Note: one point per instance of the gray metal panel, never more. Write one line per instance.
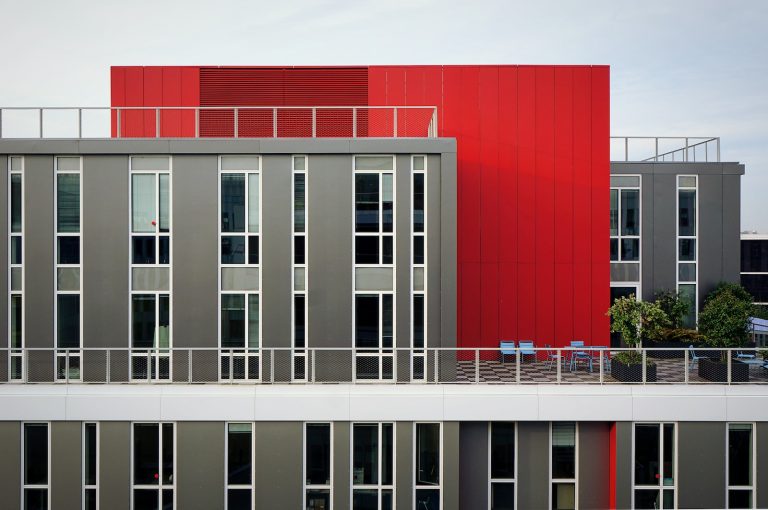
(701, 465)
(710, 233)
(200, 465)
(341, 463)
(279, 464)
(761, 481)
(731, 225)
(404, 198)
(4, 284)
(473, 465)
(533, 464)
(448, 257)
(114, 465)
(329, 220)
(647, 234)
(404, 460)
(664, 234)
(451, 461)
(10, 463)
(66, 464)
(624, 467)
(594, 464)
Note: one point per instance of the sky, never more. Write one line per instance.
(678, 68)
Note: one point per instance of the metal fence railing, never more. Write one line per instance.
(681, 149)
(569, 365)
(219, 122)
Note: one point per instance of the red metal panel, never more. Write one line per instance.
(170, 120)
(489, 302)
(153, 96)
(526, 301)
(117, 89)
(508, 297)
(190, 96)
(469, 275)
(488, 82)
(469, 241)
(132, 122)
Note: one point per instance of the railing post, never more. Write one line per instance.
(718, 149)
(685, 366)
(271, 365)
(312, 363)
(656, 159)
(517, 366)
(189, 366)
(728, 364)
(354, 122)
(686, 149)
(157, 122)
(477, 366)
(197, 122)
(600, 360)
(41, 122)
(119, 134)
(149, 365)
(394, 121)
(645, 373)
(437, 368)
(109, 366)
(274, 122)
(626, 148)
(314, 122)
(236, 123)
(79, 122)
(560, 359)
(1, 123)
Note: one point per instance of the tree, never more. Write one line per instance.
(724, 320)
(674, 305)
(636, 320)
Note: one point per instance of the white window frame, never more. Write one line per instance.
(491, 480)
(753, 486)
(87, 487)
(380, 233)
(67, 354)
(297, 352)
(20, 353)
(379, 487)
(154, 354)
(244, 353)
(678, 237)
(422, 352)
(638, 284)
(379, 353)
(575, 480)
(227, 485)
(306, 486)
(438, 487)
(160, 486)
(24, 485)
(660, 487)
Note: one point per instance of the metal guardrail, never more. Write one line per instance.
(569, 365)
(219, 122)
(665, 149)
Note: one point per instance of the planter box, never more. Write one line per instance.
(716, 371)
(632, 373)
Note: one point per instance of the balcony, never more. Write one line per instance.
(665, 149)
(219, 122)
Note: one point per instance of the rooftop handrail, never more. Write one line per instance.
(652, 149)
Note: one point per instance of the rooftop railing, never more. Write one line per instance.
(572, 365)
(680, 149)
(220, 122)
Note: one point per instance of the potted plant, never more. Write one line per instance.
(635, 320)
(724, 321)
(674, 334)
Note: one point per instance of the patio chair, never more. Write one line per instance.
(507, 348)
(553, 357)
(527, 348)
(694, 357)
(596, 350)
(579, 356)
(744, 355)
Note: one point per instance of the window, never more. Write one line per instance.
(153, 463)
(240, 210)
(655, 465)
(36, 466)
(687, 254)
(318, 476)
(563, 466)
(625, 230)
(68, 269)
(374, 335)
(502, 464)
(374, 210)
(240, 334)
(741, 463)
(418, 268)
(428, 469)
(150, 336)
(300, 311)
(90, 466)
(373, 467)
(239, 466)
(16, 279)
(150, 210)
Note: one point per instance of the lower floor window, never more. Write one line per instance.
(740, 463)
(150, 336)
(90, 466)
(502, 465)
(428, 469)
(654, 465)
(563, 465)
(372, 466)
(36, 466)
(239, 466)
(318, 481)
(153, 463)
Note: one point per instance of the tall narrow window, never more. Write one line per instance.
(239, 466)
(318, 478)
(374, 210)
(151, 336)
(687, 251)
(419, 268)
(374, 335)
(741, 458)
(563, 475)
(502, 466)
(300, 274)
(373, 466)
(16, 280)
(625, 225)
(36, 470)
(90, 466)
(240, 275)
(654, 455)
(428, 468)
(154, 459)
(68, 268)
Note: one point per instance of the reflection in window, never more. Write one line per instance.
(374, 212)
(372, 466)
(153, 466)
(687, 255)
(150, 336)
(240, 210)
(654, 466)
(428, 466)
(150, 211)
(563, 465)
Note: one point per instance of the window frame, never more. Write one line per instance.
(246, 353)
(246, 209)
(491, 479)
(618, 237)
(575, 479)
(299, 353)
(227, 486)
(418, 353)
(16, 353)
(24, 485)
(308, 487)
(380, 234)
(160, 486)
(753, 440)
(441, 474)
(86, 487)
(379, 487)
(660, 487)
(695, 238)
(380, 352)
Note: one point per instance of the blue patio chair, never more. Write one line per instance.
(577, 356)
(744, 355)
(527, 348)
(596, 349)
(507, 348)
(694, 357)
(553, 357)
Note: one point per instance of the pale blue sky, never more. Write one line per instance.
(677, 67)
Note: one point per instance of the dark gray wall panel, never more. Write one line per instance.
(647, 233)
(451, 465)
(731, 223)
(624, 468)
(448, 257)
(701, 465)
(533, 465)
(66, 464)
(594, 465)
(115, 465)
(404, 460)
(403, 199)
(10, 463)
(664, 233)
(341, 463)
(200, 465)
(4, 284)
(761, 480)
(710, 233)
(473, 465)
(279, 464)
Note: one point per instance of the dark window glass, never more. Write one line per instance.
(144, 320)
(253, 249)
(16, 250)
(168, 467)
(428, 454)
(387, 203)
(740, 454)
(563, 450)
(318, 454)
(69, 250)
(298, 249)
(502, 496)
(239, 499)
(298, 202)
(630, 212)
(387, 256)
(90, 499)
(647, 499)
(687, 213)
(16, 323)
(90, 455)
(387, 320)
(317, 499)
(366, 202)
(386, 499)
(164, 320)
(418, 249)
(366, 249)
(502, 450)
(630, 250)
(233, 202)
(239, 456)
(563, 496)
(233, 249)
(754, 255)
(366, 321)
(614, 212)
(35, 454)
(387, 454)
(143, 249)
(757, 285)
(35, 499)
(687, 249)
(68, 318)
(165, 250)
(418, 321)
(299, 321)
(418, 202)
(428, 499)
(614, 249)
(67, 203)
(688, 293)
(145, 499)
(165, 203)
(232, 320)
(739, 499)
(146, 444)
(669, 454)
(365, 454)
(647, 446)
(365, 499)
(16, 219)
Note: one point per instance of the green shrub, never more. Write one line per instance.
(684, 335)
(636, 320)
(724, 320)
(674, 305)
